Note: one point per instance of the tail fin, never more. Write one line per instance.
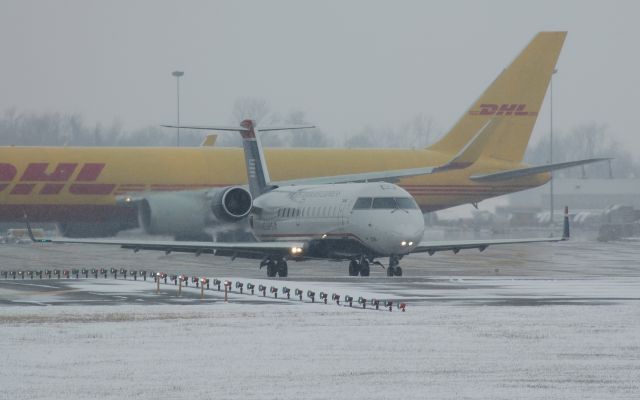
(257, 173)
(513, 99)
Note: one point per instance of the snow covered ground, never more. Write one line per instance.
(466, 348)
(524, 323)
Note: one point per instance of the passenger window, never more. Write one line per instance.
(406, 203)
(384, 203)
(363, 203)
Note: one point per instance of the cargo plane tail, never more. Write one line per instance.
(510, 105)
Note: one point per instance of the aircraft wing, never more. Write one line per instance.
(234, 250)
(456, 246)
(520, 172)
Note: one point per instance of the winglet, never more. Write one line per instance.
(209, 141)
(470, 153)
(565, 230)
(29, 230)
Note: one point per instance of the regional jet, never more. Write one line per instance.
(357, 218)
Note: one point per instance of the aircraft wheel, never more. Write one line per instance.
(364, 268)
(271, 269)
(283, 269)
(398, 271)
(353, 268)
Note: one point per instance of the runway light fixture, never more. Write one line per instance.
(217, 283)
(323, 297)
(39, 274)
(349, 299)
(336, 297)
(21, 273)
(362, 301)
(251, 287)
(174, 278)
(402, 306)
(389, 304)
(48, 273)
(195, 280)
(239, 285)
(31, 275)
(205, 281)
(85, 272)
(114, 272)
(375, 303)
(287, 291)
(134, 273)
(75, 272)
(4, 274)
(56, 272)
(66, 274)
(124, 272)
(263, 289)
(312, 295)
(298, 293)
(274, 291)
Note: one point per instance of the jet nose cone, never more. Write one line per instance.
(406, 236)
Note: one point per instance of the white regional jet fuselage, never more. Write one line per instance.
(342, 220)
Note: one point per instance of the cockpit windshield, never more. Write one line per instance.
(385, 203)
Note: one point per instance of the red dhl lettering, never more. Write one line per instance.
(503, 109)
(54, 178)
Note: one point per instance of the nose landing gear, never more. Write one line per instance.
(359, 267)
(275, 267)
(394, 269)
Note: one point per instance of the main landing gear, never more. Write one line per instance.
(275, 267)
(394, 269)
(359, 267)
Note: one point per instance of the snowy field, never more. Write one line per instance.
(557, 322)
(252, 351)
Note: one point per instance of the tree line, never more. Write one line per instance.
(59, 129)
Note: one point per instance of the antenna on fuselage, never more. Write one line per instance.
(257, 172)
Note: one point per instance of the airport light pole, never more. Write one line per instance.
(178, 74)
(551, 146)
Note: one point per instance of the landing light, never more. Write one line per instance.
(403, 243)
(410, 243)
(296, 250)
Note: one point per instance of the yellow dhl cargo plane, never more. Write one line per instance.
(180, 191)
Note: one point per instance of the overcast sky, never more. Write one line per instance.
(344, 63)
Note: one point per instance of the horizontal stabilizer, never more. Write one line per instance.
(238, 128)
(520, 172)
(465, 157)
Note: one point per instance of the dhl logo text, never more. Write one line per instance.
(46, 179)
(503, 109)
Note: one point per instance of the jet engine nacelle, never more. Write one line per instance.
(231, 204)
(187, 212)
